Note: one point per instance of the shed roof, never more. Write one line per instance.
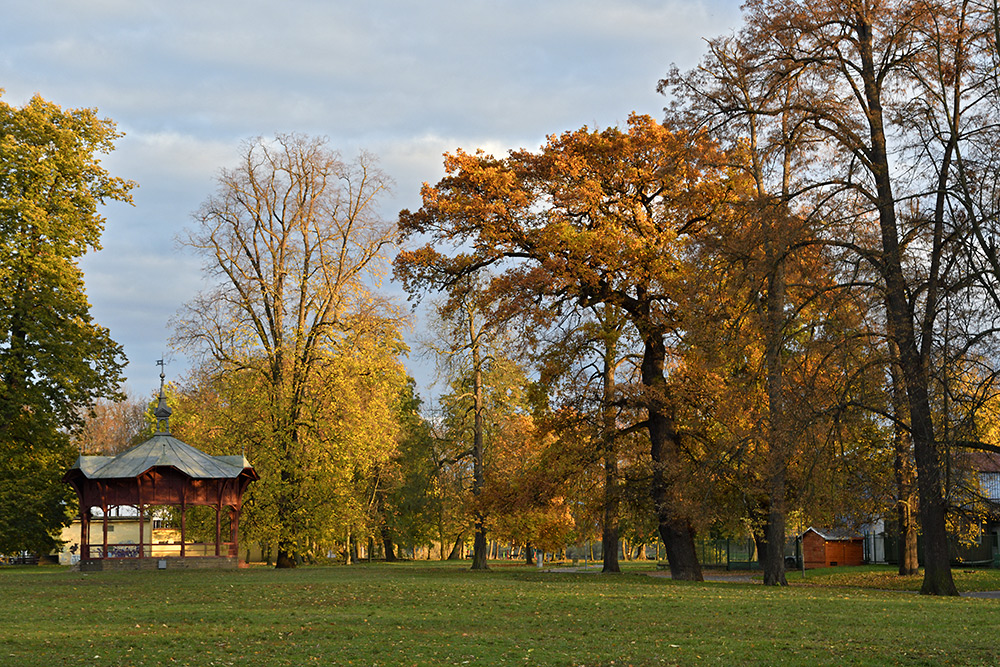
(835, 534)
(982, 461)
(162, 450)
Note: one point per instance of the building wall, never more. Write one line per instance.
(813, 550)
(820, 552)
(845, 552)
(122, 531)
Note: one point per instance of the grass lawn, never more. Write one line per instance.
(443, 614)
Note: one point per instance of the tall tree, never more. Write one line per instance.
(55, 361)
(901, 91)
(291, 240)
(580, 361)
(603, 217)
(766, 260)
(485, 385)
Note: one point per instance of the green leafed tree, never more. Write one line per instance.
(54, 359)
(412, 501)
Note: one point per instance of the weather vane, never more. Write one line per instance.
(162, 411)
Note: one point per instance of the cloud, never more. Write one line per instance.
(189, 80)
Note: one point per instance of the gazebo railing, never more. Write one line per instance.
(115, 551)
(191, 549)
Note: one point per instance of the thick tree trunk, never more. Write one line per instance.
(678, 540)
(676, 529)
(285, 559)
(773, 562)
(390, 550)
(529, 554)
(456, 550)
(480, 547)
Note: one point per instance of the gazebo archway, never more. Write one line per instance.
(163, 471)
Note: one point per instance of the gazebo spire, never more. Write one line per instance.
(162, 411)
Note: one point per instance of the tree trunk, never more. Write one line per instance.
(773, 560)
(529, 554)
(906, 547)
(285, 559)
(390, 551)
(901, 325)
(678, 541)
(609, 538)
(676, 530)
(479, 556)
(760, 545)
(456, 550)
(480, 549)
(612, 501)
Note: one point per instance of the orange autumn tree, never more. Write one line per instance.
(525, 495)
(593, 217)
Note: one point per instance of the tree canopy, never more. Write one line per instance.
(292, 243)
(55, 361)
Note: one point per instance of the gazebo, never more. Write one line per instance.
(160, 471)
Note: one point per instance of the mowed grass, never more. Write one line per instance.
(885, 577)
(444, 614)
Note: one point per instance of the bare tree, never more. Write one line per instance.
(291, 240)
(110, 427)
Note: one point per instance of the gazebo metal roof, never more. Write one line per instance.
(162, 450)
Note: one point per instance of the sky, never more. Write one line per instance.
(188, 82)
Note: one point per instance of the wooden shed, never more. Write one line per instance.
(829, 548)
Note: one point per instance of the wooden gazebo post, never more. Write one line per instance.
(142, 550)
(104, 509)
(218, 527)
(84, 532)
(234, 527)
(183, 521)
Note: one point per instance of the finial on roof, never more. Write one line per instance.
(162, 411)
